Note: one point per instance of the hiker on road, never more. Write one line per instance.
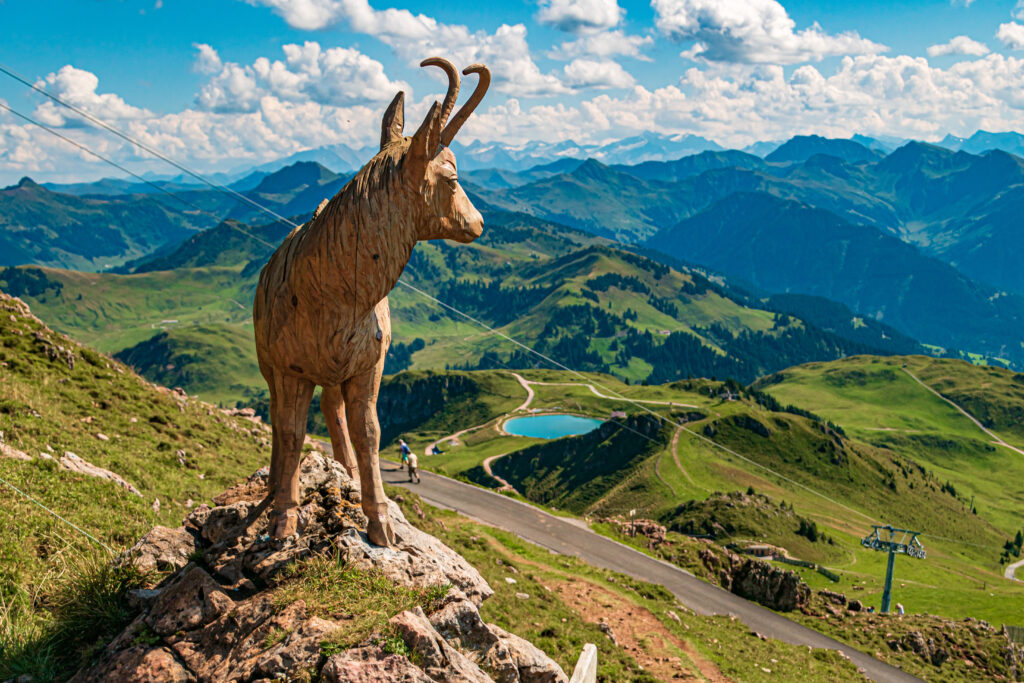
(413, 464)
(404, 449)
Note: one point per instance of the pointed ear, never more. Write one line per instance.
(394, 120)
(425, 141)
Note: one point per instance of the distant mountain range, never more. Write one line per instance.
(49, 228)
(494, 156)
(903, 237)
(781, 245)
(647, 146)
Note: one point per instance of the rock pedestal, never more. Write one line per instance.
(212, 618)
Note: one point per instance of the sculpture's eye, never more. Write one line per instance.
(453, 181)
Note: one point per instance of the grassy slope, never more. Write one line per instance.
(47, 407)
(976, 650)
(111, 312)
(216, 361)
(40, 226)
(874, 399)
(146, 427)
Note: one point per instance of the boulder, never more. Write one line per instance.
(531, 664)
(509, 658)
(753, 579)
(775, 588)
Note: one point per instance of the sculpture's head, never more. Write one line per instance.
(427, 165)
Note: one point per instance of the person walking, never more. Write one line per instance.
(899, 608)
(413, 464)
(404, 450)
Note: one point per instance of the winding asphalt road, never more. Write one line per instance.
(569, 538)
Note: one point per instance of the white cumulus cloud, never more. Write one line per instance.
(604, 44)
(579, 16)
(415, 36)
(596, 73)
(751, 31)
(207, 61)
(960, 45)
(1012, 35)
(336, 76)
(78, 87)
(309, 15)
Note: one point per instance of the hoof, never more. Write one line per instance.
(380, 532)
(287, 523)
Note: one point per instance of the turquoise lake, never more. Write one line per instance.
(551, 426)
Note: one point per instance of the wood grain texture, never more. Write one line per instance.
(321, 312)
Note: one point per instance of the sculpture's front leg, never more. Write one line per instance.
(364, 430)
(333, 406)
(289, 408)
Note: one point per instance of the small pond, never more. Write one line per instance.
(551, 426)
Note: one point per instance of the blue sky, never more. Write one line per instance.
(222, 83)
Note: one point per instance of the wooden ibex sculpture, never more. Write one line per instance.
(321, 311)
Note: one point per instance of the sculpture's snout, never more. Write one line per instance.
(465, 229)
(474, 227)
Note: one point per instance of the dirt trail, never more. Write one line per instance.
(995, 439)
(1011, 568)
(675, 456)
(637, 631)
(487, 468)
(529, 392)
(597, 393)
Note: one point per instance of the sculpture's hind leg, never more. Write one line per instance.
(333, 406)
(288, 419)
(275, 450)
(361, 403)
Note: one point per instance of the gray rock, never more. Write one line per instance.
(288, 660)
(72, 462)
(162, 549)
(371, 665)
(227, 521)
(193, 600)
(532, 665)
(139, 663)
(441, 661)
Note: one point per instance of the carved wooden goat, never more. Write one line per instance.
(321, 311)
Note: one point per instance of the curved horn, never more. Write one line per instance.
(449, 132)
(453, 84)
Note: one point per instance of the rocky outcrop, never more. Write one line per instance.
(648, 528)
(214, 615)
(776, 588)
(74, 463)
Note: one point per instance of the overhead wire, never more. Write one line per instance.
(238, 196)
(118, 166)
(66, 521)
(141, 145)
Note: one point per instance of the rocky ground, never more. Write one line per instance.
(223, 610)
